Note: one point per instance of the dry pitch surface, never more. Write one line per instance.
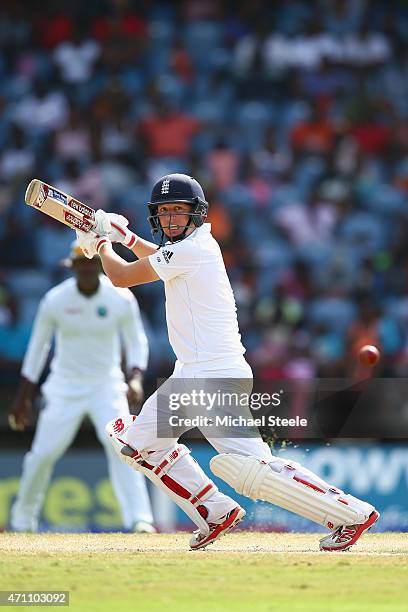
(243, 571)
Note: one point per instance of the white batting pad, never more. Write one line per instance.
(158, 474)
(116, 431)
(288, 485)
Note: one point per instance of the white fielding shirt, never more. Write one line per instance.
(200, 306)
(89, 335)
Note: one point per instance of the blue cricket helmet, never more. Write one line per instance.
(174, 188)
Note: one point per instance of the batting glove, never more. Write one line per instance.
(90, 243)
(118, 231)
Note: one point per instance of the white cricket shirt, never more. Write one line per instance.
(89, 333)
(200, 306)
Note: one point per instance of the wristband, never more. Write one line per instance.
(100, 244)
(130, 240)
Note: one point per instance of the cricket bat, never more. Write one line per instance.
(60, 206)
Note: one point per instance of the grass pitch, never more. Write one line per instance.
(243, 571)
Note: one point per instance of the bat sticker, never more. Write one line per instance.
(57, 195)
(42, 196)
(82, 208)
(84, 225)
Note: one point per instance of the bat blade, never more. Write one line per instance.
(60, 206)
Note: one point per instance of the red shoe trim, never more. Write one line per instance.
(218, 530)
(360, 529)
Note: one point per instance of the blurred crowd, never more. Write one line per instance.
(292, 115)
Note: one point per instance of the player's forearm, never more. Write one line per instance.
(143, 248)
(122, 273)
(113, 265)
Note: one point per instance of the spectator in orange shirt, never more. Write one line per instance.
(220, 220)
(314, 135)
(167, 132)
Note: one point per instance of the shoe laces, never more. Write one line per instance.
(345, 533)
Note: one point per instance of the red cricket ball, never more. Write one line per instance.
(368, 355)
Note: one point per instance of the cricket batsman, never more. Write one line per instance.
(203, 332)
(88, 317)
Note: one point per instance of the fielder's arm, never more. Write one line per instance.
(20, 413)
(135, 343)
(33, 364)
(136, 352)
(124, 274)
(135, 393)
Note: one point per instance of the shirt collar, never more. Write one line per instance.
(203, 229)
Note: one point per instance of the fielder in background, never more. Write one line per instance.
(91, 321)
(203, 331)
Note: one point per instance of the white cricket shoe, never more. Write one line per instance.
(143, 527)
(221, 527)
(347, 535)
(19, 529)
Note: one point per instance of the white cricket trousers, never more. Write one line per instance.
(142, 435)
(57, 426)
